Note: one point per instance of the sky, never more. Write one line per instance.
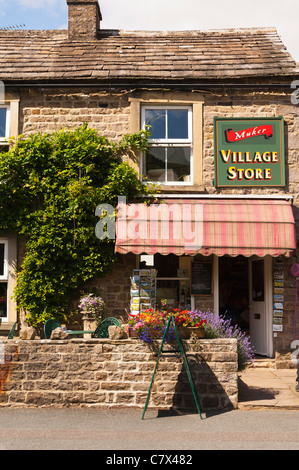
(164, 15)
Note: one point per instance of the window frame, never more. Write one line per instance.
(4, 276)
(169, 143)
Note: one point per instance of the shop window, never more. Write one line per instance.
(169, 159)
(173, 278)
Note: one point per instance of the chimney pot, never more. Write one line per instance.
(84, 18)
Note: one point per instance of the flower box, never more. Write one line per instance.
(187, 331)
(151, 324)
(132, 333)
(154, 334)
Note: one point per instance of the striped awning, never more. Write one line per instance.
(207, 226)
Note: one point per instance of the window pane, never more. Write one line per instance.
(4, 148)
(258, 280)
(3, 299)
(155, 164)
(156, 119)
(2, 246)
(178, 164)
(2, 122)
(166, 265)
(177, 124)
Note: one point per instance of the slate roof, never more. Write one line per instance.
(198, 55)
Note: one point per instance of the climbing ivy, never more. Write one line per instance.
(50, 187)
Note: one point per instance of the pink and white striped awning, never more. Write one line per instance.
(207, 226)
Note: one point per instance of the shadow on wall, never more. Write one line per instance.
(179, 397)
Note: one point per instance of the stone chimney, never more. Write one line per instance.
(84, 18)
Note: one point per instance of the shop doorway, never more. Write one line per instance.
(244, 293)
(257, 306)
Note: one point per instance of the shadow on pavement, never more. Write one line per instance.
(250, 393)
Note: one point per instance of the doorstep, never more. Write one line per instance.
(263, 362)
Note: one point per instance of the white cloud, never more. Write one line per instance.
(203, 15)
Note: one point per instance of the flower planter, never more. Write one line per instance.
(92, 309)
(186, 332)
(132, 334)
(89, 324)
(153, 334)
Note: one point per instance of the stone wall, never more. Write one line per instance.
(117, 373)
(51, 110)
(115, 287)
(283, 340)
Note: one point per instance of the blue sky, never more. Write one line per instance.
(165, 14)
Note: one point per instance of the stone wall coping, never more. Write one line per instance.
(112, 341)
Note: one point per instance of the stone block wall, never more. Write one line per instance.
(51, 110)
(117, 373)
(282, 340)
(114, 288)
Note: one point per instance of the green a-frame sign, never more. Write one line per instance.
(171, 321)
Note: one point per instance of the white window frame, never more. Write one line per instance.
(7, 124)
(167, 143)
(4, 276)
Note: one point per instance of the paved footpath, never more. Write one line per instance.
(267, 388)
(123, 429)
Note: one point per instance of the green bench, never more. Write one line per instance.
(101, 330)
(12, 331)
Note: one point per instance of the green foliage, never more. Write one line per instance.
(50, 187)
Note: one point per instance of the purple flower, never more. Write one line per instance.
(90, 304)
(218, 327)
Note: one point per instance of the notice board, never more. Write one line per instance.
(202, 278)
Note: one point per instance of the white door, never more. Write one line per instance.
(257, 306)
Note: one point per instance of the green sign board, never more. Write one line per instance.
(249, 152)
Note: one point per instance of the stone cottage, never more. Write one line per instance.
(223, 150)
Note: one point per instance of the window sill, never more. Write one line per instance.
(182, 187)
(165, 188)
(6, 325)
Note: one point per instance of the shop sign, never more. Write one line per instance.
(249, 152)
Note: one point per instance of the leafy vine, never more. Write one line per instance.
(50, 187)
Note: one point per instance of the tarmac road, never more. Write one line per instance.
(123, 429)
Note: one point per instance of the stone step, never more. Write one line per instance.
(264, 363)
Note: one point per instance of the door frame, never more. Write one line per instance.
(268, 281)
(268, 299)
(269, 303)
